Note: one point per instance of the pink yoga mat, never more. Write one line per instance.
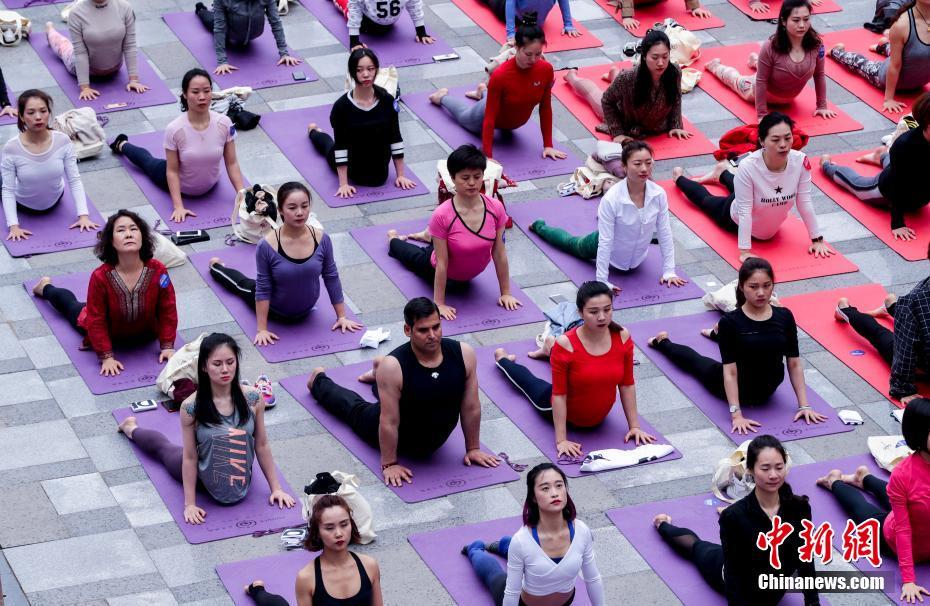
(787, 251)
(278, 572)
(485, 18)
(775, 415)
(112, 89)
(50, 231)
(257, 62)
(441, 474)
(639, 286)
(441, 550)
(310, 337)
(858, 40)
(252, 514)
(520, 151)
(665, 147)
(141, 366)
(827, 6)
(657, 12)
(511, 401)
(399, 47)
(477, 308)
(876, 220)
(801, 110)
(288, 130)
(213, 208)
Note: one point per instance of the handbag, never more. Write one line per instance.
(724, 298)
(589, 183)
(182, 365)
(167, 251)
(13, 28)
(348, 490)
(255, 214)
(87, 136)
(732, 480)
(387, 79)
(888, 451)
(494, 181)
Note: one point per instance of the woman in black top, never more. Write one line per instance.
(331, 579)
(6, 109)
(733, 567)
(366, 129)
(754, 340)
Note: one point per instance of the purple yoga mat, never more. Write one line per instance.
(112, 89)
(639, 286)
(15, 4)
(520, 151)
(50, 231)
(441, 550)
(213, 208)
(141, 365)
(826, 508)
(288, 130)
(278, 572)
(440, 475)
(310, 337)
(511, 401)
(476, 308)
(257, 62)
(251, 514)
(696, 512)
(398, 47)
(775, 416)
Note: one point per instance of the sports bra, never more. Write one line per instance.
(277, 235)
(322, 598)
(571, 536)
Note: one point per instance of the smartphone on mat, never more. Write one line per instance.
(190, 236)
(170, 405)
(446, 57)
(143, 405)
(299, 76)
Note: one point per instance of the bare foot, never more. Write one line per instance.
(392, 233)
(825, 159)
(544, 351)
(753, 61)
(677, 172)
(874, 47)
(874, 157)
(882, 310)
(436, 97)
(715, 173)
(658, 338)
(369, 376)
(828, 480)
(709, 333)
(40, 286)
(313, 375)
(128, 426)
(721, 509)
(49, 26)
(255, 583)
(855, 479)
(662, 517)
(312, 127)
(838, 47)
(422, 236)
(501, 353)
(215, 261)
(478, 93)
(614, 72)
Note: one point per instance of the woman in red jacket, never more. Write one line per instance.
(130, 298)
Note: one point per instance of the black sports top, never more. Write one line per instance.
(281, 252)
(322, 598)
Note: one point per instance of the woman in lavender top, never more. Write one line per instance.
(290, 261)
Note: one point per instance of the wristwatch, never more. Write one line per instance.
(817, 239)
(734, 408)
(386, 465)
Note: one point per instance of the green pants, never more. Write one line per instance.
(583, 247)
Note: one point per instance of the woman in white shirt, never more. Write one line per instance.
(35, 165)
(545, 555)
(767, 184)
(629, 214)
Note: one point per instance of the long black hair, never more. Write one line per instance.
(780, 42)
(106, 252)
(527, 33)
(790, 502)
(915, 424)
(186, 83)
(205, 412)
(591, 289)
(670, 80)
(770, 121)
(531, 507)
(24, 97)
(749, 267)
(356, 56)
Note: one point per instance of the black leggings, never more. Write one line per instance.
(65, 303)
(417, 260)
(154, 168)
(880, 337)
(707, 557)
(243, 287)
(498, 7)
(156, 445)
(707, 371)
(262, 597)
(536, 390)
(859, 509)
(324, 144)
(715, 207)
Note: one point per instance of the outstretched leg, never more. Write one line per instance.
(707, 557)
(744, 86)
(707, 371)
(868, 327)
(583, 247)
(859, 64)
(587, 90)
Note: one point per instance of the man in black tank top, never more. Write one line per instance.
(423, 387)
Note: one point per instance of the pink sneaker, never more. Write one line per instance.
(263, 385)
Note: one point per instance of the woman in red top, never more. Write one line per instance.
(514, 90)
(903, 501)
(589, 363)
(130, 298)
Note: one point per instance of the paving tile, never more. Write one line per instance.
(141, 503)
(28, 517)
(78, 493)
(18, 445)
(149, 598)
(19, 387)
(45, 352)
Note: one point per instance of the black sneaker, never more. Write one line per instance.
(119, 140)
(199, 7)
(324, 483)
(878, 27)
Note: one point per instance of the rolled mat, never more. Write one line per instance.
(665, 147)
(639, 286)
(252, 514)
(141, 366)
(476, 307)
(876, 219)
(397, 47)
(657, 12)
(278, 572)
(520, 150)
(257, 62)
(827, 6)
(787, 251)
(858, 40)
(441, 550)
(288, 130)
(50, 231)
(513, 403)
(814, 315)
(556, 40)
(801, 110)
(309, 337)
(776, 415)
(213, 208)
(443, 473)
(112, 88)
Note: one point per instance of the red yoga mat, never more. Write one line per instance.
(827, 6)
(814, 315)
(858, 40)
(657, 12)
(787, 251)
(485, 18)
(801, 110)
(665, 147)
(876, 220)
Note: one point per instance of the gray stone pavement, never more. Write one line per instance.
(81, 523)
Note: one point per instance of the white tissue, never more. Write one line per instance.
(613, 458)
(372, 337)
(850, 417)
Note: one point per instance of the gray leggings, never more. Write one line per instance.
(864, 188)
(873, 72)
(469, 114)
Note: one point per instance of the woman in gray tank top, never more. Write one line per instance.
(222, 431)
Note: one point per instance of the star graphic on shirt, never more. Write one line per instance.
(778, 189)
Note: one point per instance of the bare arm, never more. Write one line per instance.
(898, 38)
(189, 459)
(501, 264)
(796, 375)
(173, 176)
(471, 405)
(263, 450)
(390, 381)
(441, 248)
(305, 586)
(232, 165)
